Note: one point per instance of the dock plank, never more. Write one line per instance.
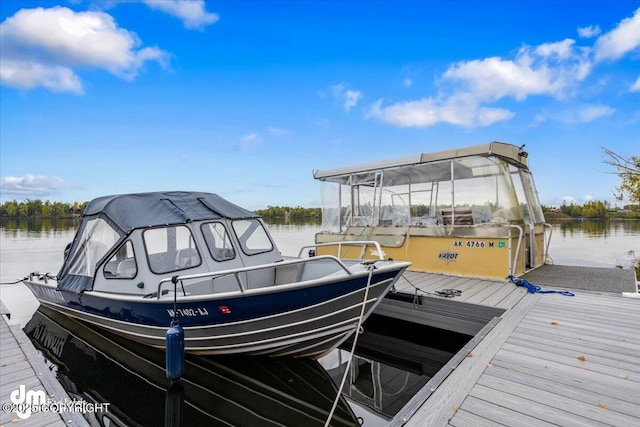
(566, 336)
(572, 376)
(554, 414)
(479, 413)
(574, 358)
(441, 405)
(529, 369)
(557, 407)
(16, 370)
(589, 397)
(21, 364)
(609, 355)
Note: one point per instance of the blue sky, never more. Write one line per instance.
(247, 98)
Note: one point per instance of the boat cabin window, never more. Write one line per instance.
(218, 241)
(97, 238)
(170, 249)
(123, 264)
(464, 191)
(252, 236)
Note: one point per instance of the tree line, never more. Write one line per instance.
(297, 213)
(594, 209)
(46, 209)
(40, 209)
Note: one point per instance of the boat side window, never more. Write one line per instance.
(252, 236)
(123, 264)
(170, 249)
(97, 238)
(218, 241)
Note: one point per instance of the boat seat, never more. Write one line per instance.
(287, 274)
(462, 216)
(187, 257)
(261, 278)
(318, 269)
(127, 268)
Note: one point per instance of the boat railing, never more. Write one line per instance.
(512, 265)
(363, 243)
(237, 272)
(546, 246)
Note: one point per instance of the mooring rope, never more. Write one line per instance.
(40, 276)
(445, 293)
(11, 283)
(353, 346)
(535, 289)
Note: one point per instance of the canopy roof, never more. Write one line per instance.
(130, 211)
(429, 166)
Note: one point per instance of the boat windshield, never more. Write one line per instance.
(470, 190)
(96, 237)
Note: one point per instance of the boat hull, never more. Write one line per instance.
(302, 321)
(93, 364)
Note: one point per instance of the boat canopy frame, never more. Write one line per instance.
(107, 222)
(388, 193)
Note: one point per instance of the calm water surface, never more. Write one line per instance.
(27, 246)
(376, 390)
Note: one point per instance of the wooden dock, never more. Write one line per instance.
(20, 364)
(547, 360)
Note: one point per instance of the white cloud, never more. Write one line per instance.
(567, 200)
(191, 12)
(429, 112)
(407, 82)
(248, 139)
(539, 119)
(468, 87)
(619, 41)
(588, 198)
(30, 185)
(348, 97)
(562, 50)
(546, 70)
(27, 75)
(588, 32)
(44, 47)
(555, 69)
(494, 78)
(586, 114)
(409, 113)
(593, 112)
(351, 98)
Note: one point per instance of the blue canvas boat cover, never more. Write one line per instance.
(130, 211)
(108, 220)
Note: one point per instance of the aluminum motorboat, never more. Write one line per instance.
(140, 261)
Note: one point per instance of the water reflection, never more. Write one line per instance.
(37, 225)
(594, 243)
(394, 360)
(595, 228)
(97, 366)
(390, 366)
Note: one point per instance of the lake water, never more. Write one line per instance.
(27, 246)
(376, 390)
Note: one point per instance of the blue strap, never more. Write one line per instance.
(534, 289)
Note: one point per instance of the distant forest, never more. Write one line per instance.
(47, 209)
(39, 209)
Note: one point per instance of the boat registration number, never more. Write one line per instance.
(189, 312)
(474, 244)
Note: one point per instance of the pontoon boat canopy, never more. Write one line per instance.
(399, 171)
